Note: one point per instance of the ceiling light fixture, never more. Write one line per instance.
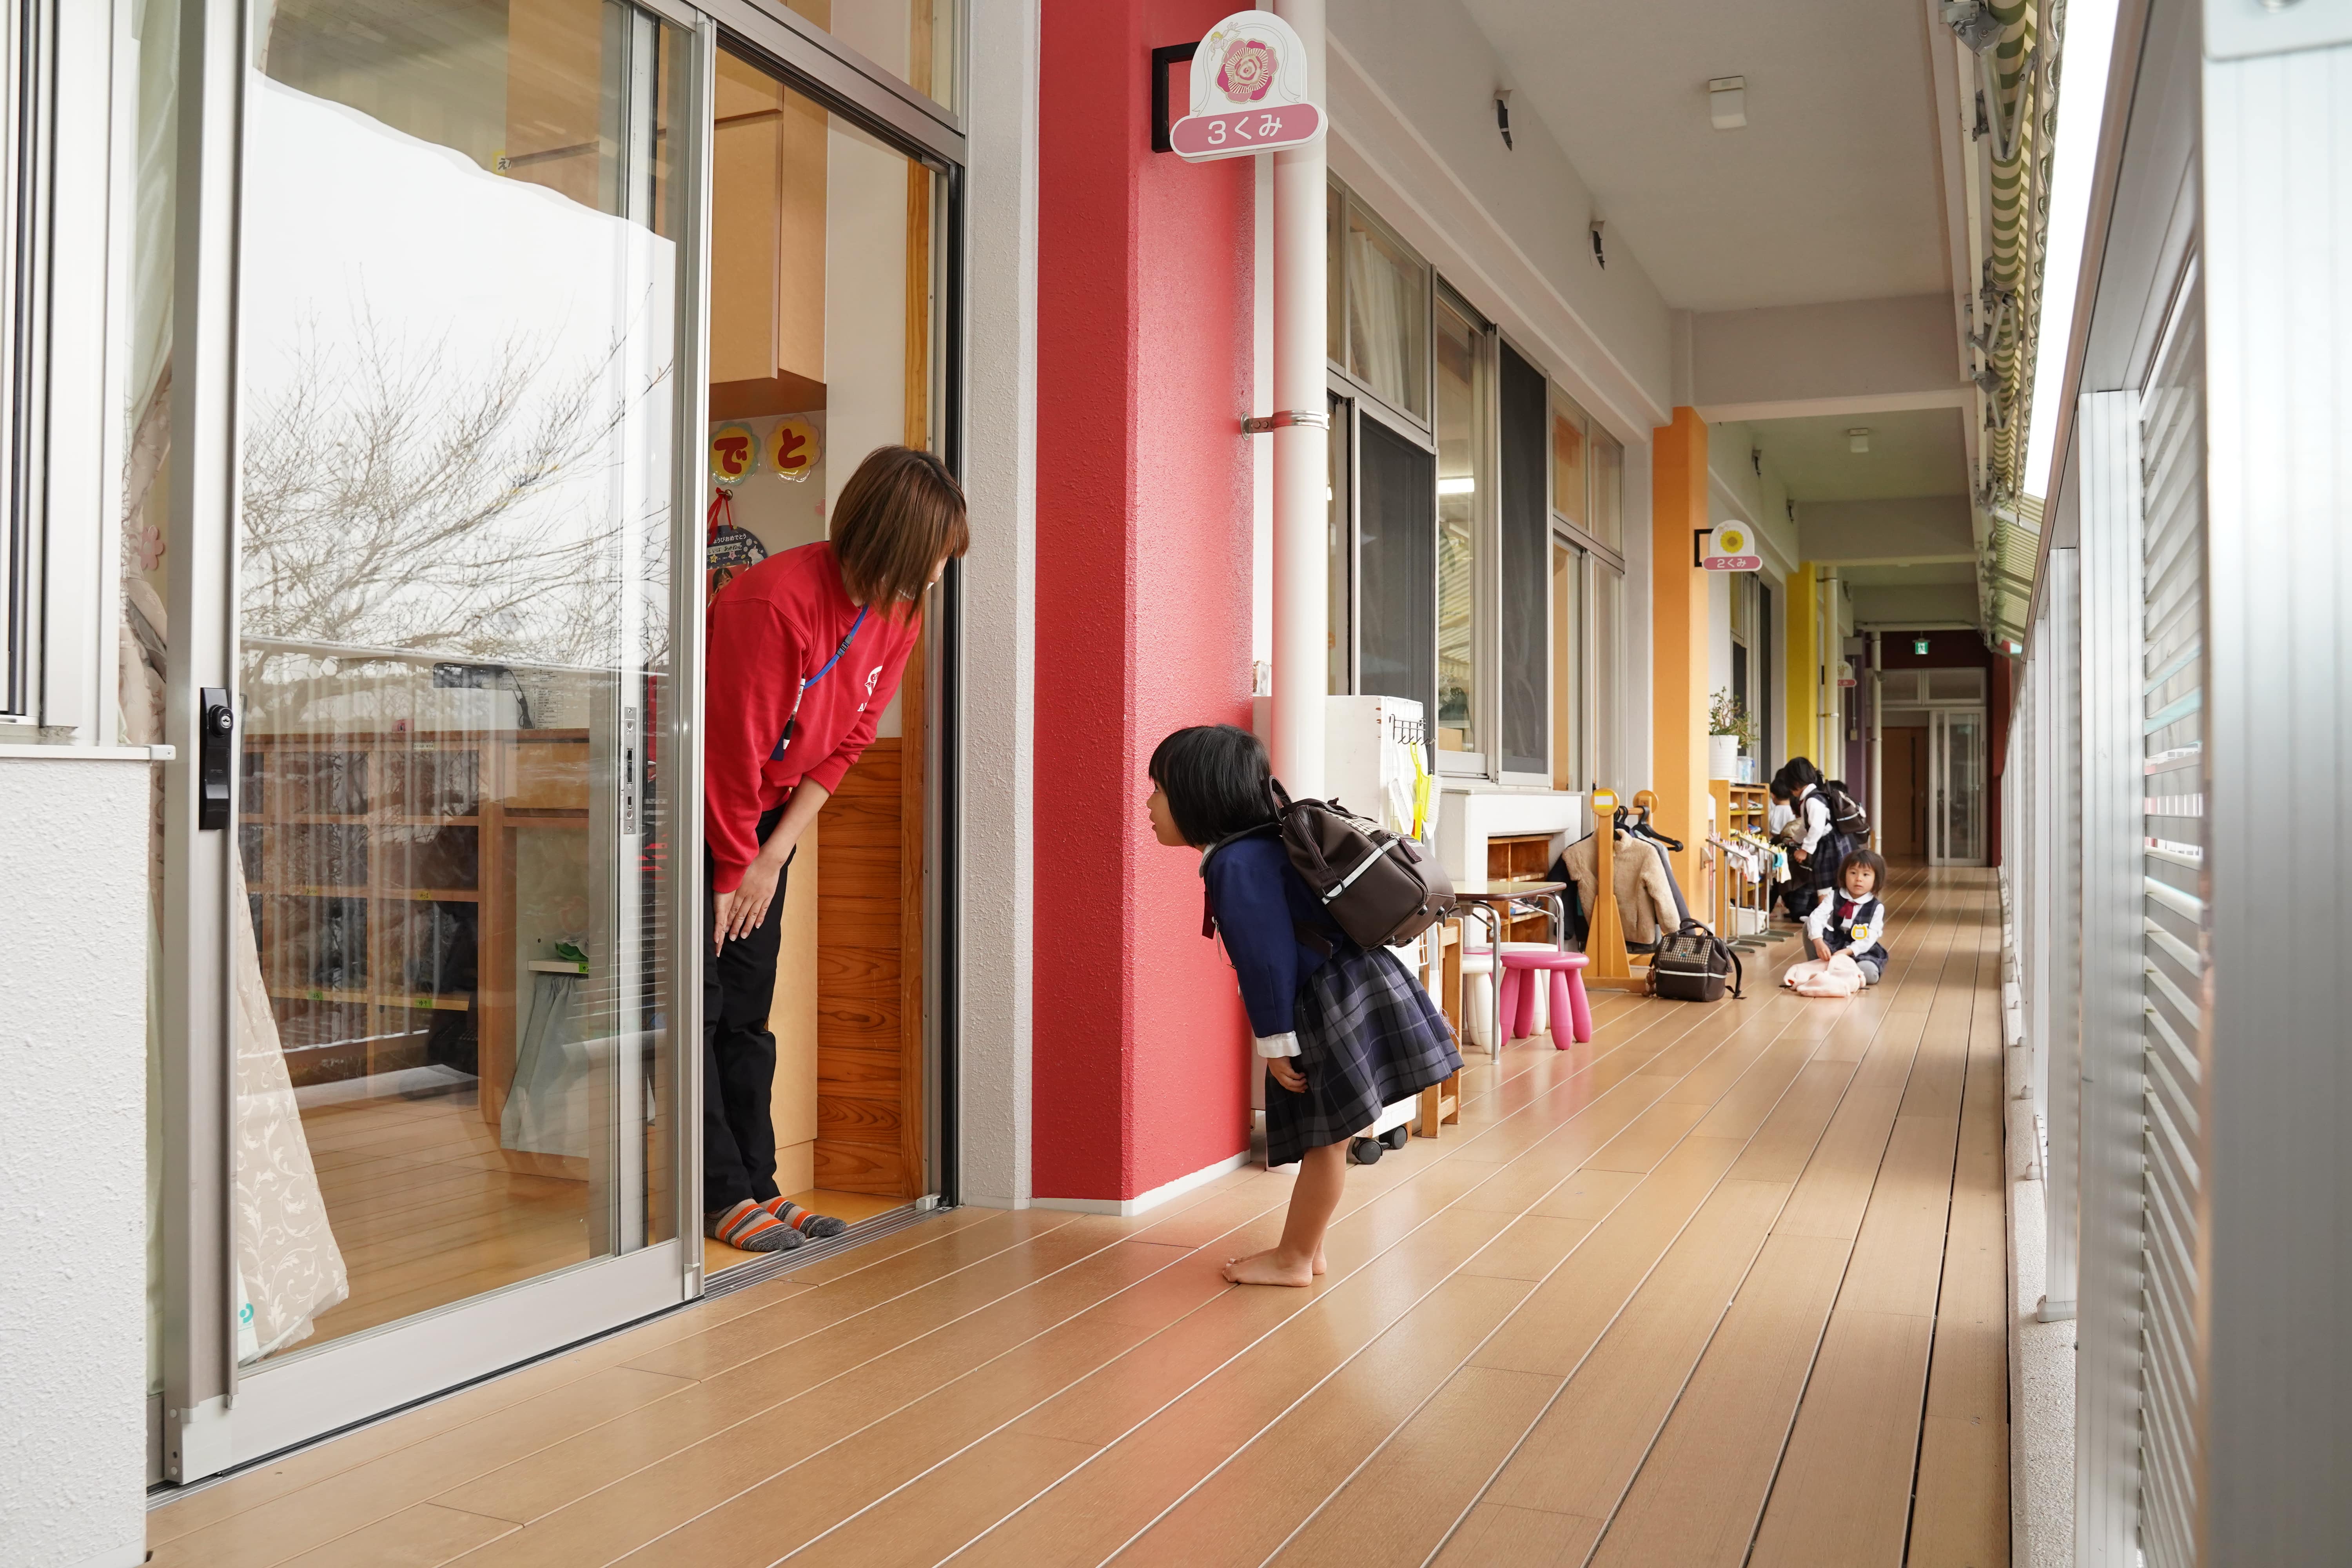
(1857, 439)
(1463, 486)
(1727, 101)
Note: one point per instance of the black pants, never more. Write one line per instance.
(738, 1054)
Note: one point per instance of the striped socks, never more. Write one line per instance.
(805, 1222)
(750, 1227)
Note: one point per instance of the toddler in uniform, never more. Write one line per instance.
(1343, 1032)
(1851, 919)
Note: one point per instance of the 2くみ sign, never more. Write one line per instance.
(1732, 548)
(1249, 92)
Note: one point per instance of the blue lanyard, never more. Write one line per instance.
(786, 738)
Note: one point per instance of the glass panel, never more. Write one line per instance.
(1964, 784)
(460, 279)
(1608, 489)
(1388, 317)
(1607, 614)
(1461, 461)
(1955, 685)
(1335, 276)
(1567, 665)
(1339, 583)
(1524, 536)
(918, 41)
(147, 465)
(1568, 496)
(824, 316)
(1397, 636)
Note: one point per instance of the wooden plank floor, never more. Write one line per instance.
(1725, 1284)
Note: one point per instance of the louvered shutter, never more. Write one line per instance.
(2174, 947)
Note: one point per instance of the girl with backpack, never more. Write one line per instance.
(1343, 1032)
(1818, 848)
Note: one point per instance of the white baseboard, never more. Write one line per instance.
(1144, 1202)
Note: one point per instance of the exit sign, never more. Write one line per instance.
(1919, 646)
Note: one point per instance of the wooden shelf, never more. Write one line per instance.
(445, 1002)
(376, 895)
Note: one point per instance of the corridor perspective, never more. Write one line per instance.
(904, 781)
(1723, 1286)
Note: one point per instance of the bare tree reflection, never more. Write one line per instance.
(403, 495)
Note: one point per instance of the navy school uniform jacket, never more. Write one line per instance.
(1851, 927)
(1257, 901)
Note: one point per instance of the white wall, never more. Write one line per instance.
(73, 1166)
(999, 476)
(1412, 128)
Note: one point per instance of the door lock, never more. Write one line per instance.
(215, 726)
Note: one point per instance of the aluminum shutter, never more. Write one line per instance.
(2174, 942)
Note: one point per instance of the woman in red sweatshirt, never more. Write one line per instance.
(805, 651)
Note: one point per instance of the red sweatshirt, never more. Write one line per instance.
(771, 628)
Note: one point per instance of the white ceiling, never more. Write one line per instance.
(1925, 574)
(1914, 452)
(1830, 191)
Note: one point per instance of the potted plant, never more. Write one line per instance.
(1729, 731)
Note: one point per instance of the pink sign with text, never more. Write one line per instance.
(1249, 92)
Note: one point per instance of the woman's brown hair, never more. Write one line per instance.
(900, 515)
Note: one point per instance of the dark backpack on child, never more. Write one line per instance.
(1693, 964)
(1383, 891)
(1846, 815)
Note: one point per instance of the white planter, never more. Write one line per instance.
(1722, 755)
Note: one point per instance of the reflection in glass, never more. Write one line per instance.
(914, 40)
(1388, 317)
(1396, 638)
(458, 282)
(1340, 579)
(1459, 466)
(1608, 671)
(1567, 493)
(1335, 282)
(1567, 665)
(1608, 489)
(1964, 784)
(1523, 537)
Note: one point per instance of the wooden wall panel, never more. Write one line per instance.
(864, 1089)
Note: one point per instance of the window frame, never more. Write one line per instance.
(1353, 401)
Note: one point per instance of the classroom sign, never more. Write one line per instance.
(1732, 548)
(1249, 92)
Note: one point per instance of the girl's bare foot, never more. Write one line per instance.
(1269, 1267)
(1321, 1264)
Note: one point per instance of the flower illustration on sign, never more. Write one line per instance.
(1247, 71)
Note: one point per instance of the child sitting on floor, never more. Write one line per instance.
(1851, 920)
(1343, 1032)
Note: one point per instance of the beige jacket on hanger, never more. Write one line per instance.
(1645, 899)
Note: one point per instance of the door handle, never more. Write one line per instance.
(215, 726)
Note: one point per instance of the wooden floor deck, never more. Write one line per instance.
(1727, 1285)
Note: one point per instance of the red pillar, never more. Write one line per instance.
(1138, 1045)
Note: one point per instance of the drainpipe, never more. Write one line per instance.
(1301, 441)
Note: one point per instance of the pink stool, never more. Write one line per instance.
(1517, 1001)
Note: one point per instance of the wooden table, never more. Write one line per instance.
(1492, 901)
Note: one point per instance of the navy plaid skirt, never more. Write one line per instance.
(1368, 1036)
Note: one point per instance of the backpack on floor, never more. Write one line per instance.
(1846, 815)
(1383, 891)
(1694, 965)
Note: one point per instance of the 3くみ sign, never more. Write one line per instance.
(1732, 548)
(1249, 92)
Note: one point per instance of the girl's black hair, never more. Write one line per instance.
(1797, 773)
(1870, 858)
(1216, 778)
